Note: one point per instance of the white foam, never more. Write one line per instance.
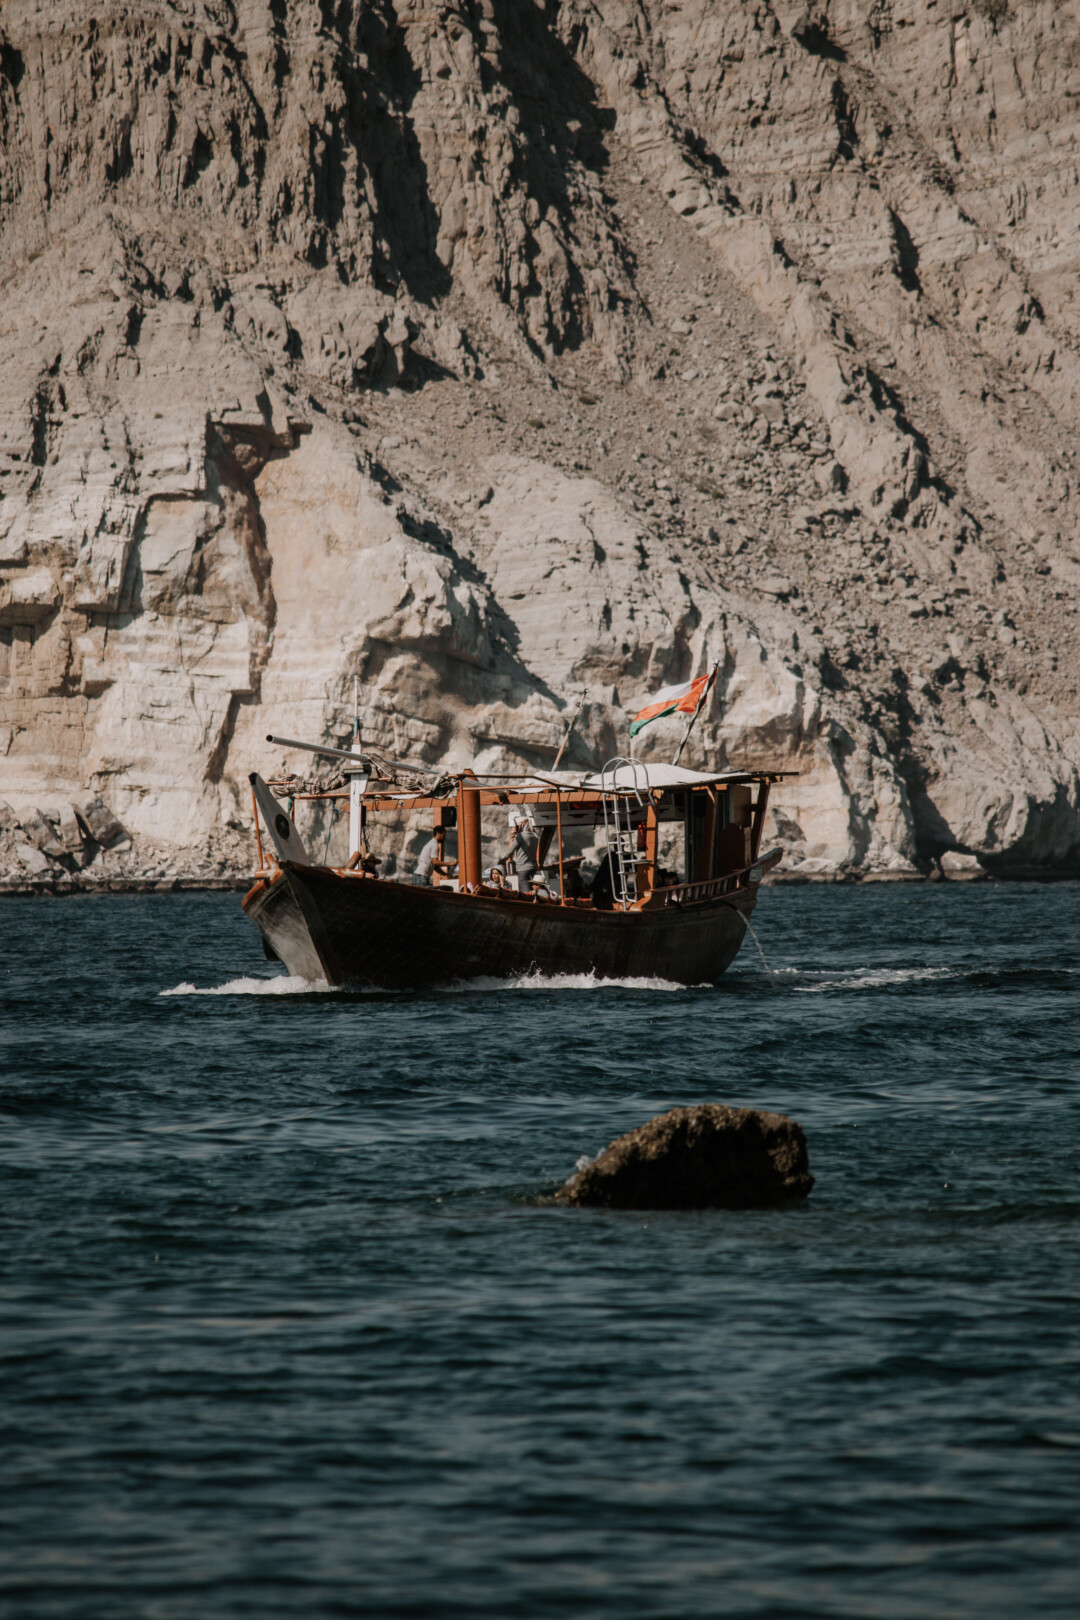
(813, 982)
(290, 986)
(561, 981)
(281, 985)
(874, 978)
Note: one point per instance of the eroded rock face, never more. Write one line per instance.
(490, 355)
(708, 1157)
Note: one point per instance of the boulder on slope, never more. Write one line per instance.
(41, 833)
(99, 821)
(706, 1157)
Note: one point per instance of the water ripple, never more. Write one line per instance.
(288, 1326)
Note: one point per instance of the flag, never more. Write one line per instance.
(682, 699)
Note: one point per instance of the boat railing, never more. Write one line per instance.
(681, 894)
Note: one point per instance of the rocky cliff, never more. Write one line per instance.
(488, 352)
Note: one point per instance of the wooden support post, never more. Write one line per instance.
(470, 868)
(558, 834)
(646, 874)
(705, 865)
(759, 820)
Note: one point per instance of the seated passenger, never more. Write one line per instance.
(362, 860)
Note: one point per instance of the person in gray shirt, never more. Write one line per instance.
(425, 861)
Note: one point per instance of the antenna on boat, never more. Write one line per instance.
(570, 726)
(355, 713)
(705, 690)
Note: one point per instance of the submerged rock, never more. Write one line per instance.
(709, 1157)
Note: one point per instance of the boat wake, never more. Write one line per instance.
(561, 981)
(280, 986)
(862, 978)
(806, 981)
(283, 985)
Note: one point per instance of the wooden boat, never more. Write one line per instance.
(346, 924)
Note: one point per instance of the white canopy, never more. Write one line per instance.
(654, 776)
(626, 776)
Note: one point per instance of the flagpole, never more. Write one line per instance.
(569, 729)
(706, 689)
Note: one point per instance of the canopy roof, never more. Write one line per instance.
(658, 776)
(626, 777)
(570, 787)
(502, 787)
(620, 775)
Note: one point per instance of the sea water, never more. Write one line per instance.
(287, 1327)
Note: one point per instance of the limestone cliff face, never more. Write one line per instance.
(494, 351)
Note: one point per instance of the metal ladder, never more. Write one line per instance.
(619, 833)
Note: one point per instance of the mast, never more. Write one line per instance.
(569, 729)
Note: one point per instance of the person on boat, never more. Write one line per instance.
(521, 857)
(525, 849)
(425, 861)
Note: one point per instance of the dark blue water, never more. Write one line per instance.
(285, 1328)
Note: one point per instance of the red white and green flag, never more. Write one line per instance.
(683, 699)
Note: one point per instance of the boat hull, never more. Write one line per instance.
(323, 924)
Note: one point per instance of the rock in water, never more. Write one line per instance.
(710, 1157)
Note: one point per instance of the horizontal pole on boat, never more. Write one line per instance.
(320, 748)
(361, 760)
